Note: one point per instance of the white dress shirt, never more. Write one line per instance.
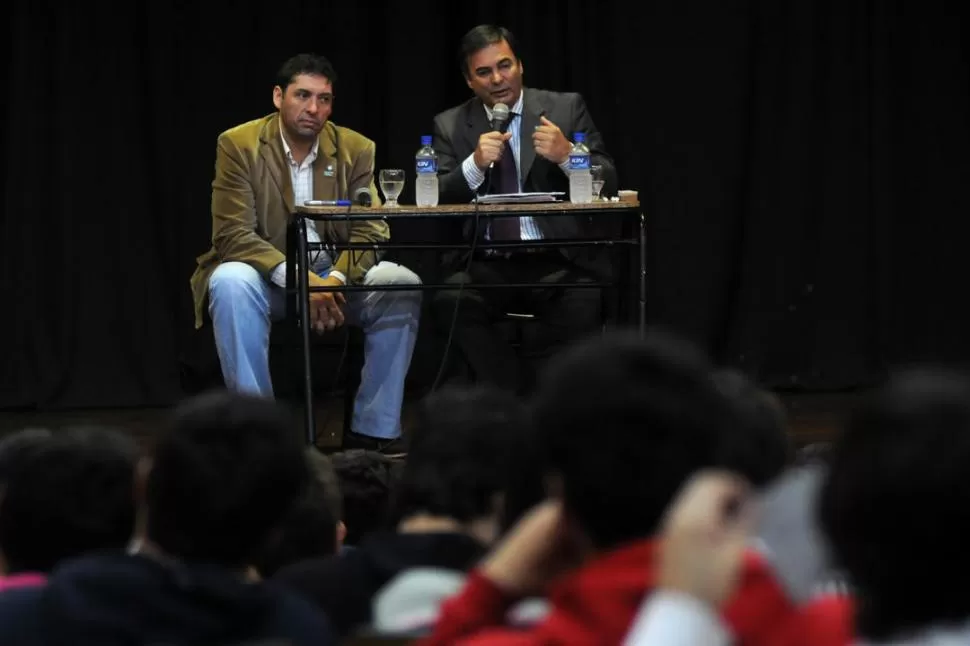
(301, 176)
(475, 176)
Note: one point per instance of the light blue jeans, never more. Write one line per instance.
(242, 305)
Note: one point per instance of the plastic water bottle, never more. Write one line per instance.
(580, 176)
(426, 165)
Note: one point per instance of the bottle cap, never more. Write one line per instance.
(580, 137)
(425, 140)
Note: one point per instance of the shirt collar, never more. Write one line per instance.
(289, 154)
(516, 109)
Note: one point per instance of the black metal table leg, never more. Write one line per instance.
(303, 293)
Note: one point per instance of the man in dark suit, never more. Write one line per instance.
(531, 155)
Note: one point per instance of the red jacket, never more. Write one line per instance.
(597, 603)
(827, 621)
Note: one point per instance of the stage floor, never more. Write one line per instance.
(812, 417)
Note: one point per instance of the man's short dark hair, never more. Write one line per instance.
(460, 457)
(223, 476)
(526, 485)
(762, 448)
(309, 528)
(366, 479)
(311, 64)
(70, 494)
(480, 37)
(896, 503)
(625, 422)
(323, 471)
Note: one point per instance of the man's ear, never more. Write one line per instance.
(252, 575)
(278, 97)
(341, 534)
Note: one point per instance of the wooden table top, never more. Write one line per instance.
(546, 208)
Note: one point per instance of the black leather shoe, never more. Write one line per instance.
(392, 448)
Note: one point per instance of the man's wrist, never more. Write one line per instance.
(338, 275)
(474, 176)
(500, 576)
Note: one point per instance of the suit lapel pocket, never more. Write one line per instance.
(326, 187)
(280, 174)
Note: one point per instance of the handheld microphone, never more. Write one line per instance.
(500, 117)
(362, 197)
(500, 121)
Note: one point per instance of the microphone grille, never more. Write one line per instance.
(362, 196)
(500, 112)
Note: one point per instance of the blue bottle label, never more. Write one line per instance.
(426, 165)
(579, 162)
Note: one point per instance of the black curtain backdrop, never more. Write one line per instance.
(803, 164)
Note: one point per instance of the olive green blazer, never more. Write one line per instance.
(252, 199)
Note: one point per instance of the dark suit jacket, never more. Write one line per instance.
(456, 133)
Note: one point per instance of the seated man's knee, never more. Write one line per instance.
(230, 277)
(391, 273)
(236, 288)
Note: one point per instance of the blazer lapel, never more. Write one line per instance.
(326, 167)
(476, 121)
(326, 185)
(271, 150)
(530, 119)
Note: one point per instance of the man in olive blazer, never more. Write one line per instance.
(264, 168)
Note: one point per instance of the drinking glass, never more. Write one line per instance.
(596, 172)
(392, 183)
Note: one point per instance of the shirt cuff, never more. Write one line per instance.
(669, 618)
(339, 275)
(565, 166)
(278, 275)
(474, 175)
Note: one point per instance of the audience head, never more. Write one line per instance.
(490, 64)
(323, 472)
(65, 494)
(15, 446)
(526, 484)
(813, 453)
(624, 423)
(897, 499)
(223, 476)
(460, 458)
(761, 449)
(365, 480)
(311, 527)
